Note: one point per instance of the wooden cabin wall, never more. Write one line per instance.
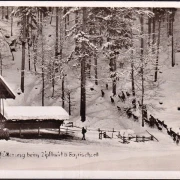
(15, 125)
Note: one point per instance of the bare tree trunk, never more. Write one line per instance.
(69, 97)
(35, 52)
(51, 16)
(76, 17)
(172, 34)
(42, 61)
(114, 79)
(88, 68)
(57, 33)
(153, 34)
(7, 12)
(95, 69)
(31, 30)
(83, 91)
(65, 22)
(23, 54)
(60, 34)
(149, 30)
(157, 57)
(2, 12)
(38, 16)
(50, 9)
(11, 25)
(56, 51)
(29, 56)
(53, 84)
(132, 74)
(142, 67)
(112, 65)
(67, 17)
(35, 40)
(83, 75)
(28, 36)
(1, 63)
(167, 25)
(132, 68)
(132, 81)
(43, 83)
(170, 25)
(60, 55)
(63, 91)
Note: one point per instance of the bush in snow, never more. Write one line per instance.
(4, 134)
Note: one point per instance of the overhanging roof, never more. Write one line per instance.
(35, 113)
(5, 90)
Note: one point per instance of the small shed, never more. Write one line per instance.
(34, 117)
(5, 93)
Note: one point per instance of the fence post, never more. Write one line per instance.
(66, 130)
(123, 139)
(104, 134)
(136, 138)
(112, 135)
(143, 138)
(100, 135)
(59, 129)
(38, 131)
(152, 138)
(20, 131)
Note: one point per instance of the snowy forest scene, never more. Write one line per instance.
(89, 88)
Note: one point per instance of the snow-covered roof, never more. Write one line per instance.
(35, 112)
(5, 90)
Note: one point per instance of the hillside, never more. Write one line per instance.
(101, 112)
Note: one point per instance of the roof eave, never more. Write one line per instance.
(10, 95)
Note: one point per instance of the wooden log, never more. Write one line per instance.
(152, 136)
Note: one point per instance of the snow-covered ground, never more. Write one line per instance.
(109, 154)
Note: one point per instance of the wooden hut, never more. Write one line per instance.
(34, 117)
(5, 93)
(28, 117)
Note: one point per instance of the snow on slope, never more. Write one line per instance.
(100, 111)
(113, 155)
(171, 96)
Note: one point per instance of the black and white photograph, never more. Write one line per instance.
(89, 87)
